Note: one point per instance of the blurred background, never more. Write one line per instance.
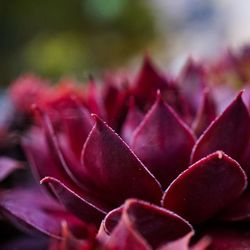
(78, 37)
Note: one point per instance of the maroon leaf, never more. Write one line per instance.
(163, 143)
(39, 156)
(113, 170)
(153, 223)
(94, 100)
(239, 210)
(77, 122)
(230, 133)
(179, 244)
(206, 113)
(225, 238)
(65, 172)
(192, 81)
(115, 98)
(45, 163)
(112, 219)
(7, 166)
(125, 237)
(69, 242)
(26, 243)
(33, 210)
(205, 188)
(133, 119)
(75, 203)
(148, 81)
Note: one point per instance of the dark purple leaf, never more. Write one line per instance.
(7, 166)
(179, 244)
(114, 171)
(230, 133)
(75, 203)
(192, 81)
(225, 238)
(148, 81)
(205, 188)
(153, 223)
(133, 119)
(125, 237)
(239, 210)
(206, 113)
(31, 209)
(77, 123)
(163, 143)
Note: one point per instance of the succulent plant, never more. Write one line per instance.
(146, 163)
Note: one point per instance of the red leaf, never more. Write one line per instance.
(205, 188)
(7, 166)
(113, 170)
(133, 119)
(78, 204)
(230, 133)
(206, 113)
(156, 225)
(33, 210)
(163, 143)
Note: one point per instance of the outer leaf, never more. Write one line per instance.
(44, 163)
(239, 210)
(7, 166)
(125, 237)
(112, 169)
(26, 243)
(163, 143)
(33, 210)
(225, 238)
(156, 225)
(74, 202)
(182, 243)
(205, 188)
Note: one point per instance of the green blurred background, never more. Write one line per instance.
(56, 38)
(76, 37)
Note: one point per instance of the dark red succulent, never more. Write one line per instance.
(152, 168)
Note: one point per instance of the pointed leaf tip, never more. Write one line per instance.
(233, 125)
(108, 162)
(159, 141)
(76, 201)
(153, 223)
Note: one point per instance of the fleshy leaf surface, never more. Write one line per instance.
(192, 81)
(205, 114)
(7, 166)
(238, 210)
(182, 243)
(125, 237)
(133, 119)
(77, 123)
(31, 209)
(148, 81)
(205, 188)
(156, 225)
(225, 238)
(113, 169)
(163, 143)
(74, 202)
(230, 132)
(44, 163)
